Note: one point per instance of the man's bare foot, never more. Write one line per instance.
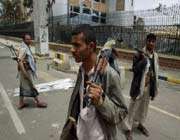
(41, 104)
(22, 105)
(128, 135)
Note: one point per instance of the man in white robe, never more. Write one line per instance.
(144, 86)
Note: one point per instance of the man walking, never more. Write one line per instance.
(144, 86)
(27, 73)
(95, 118)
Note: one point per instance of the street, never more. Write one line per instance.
(33, 123)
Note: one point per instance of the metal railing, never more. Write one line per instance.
(129, 36)
(168, 37)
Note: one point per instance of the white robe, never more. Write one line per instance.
(88, 126)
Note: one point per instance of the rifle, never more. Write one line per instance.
(105, 53)
(13, 52)
(15, 57)
(141, 52)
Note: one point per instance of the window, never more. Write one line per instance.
(103, 20)
(84, 5)
(103, 15)
(134, 20)
(96, 0)
(95, 18)
(71, 8)
(132, 2)
(86, 11)
(73, 14)
(76, 9)
(95, 13)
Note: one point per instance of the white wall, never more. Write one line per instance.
(111, 5)
(120, 18)
(128, 5)
(60, 7)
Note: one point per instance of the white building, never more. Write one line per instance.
(129, 5)
(80, 11)
(93, 11)
(120, 12)
(60, 7)
(112, 12)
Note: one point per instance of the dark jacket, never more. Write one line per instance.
(138, 68)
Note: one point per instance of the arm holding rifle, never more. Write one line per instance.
(21, 65)
(19, 56)
(108, 98)
(139, 61)
(95, 91)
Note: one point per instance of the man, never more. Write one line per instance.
(27, 73)
(99, 119)
(144, 85)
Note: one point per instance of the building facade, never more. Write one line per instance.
(89, 11)
(120, 13)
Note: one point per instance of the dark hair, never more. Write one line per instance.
(87, 30)
(151, 36)
(24, 36)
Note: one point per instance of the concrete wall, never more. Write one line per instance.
(60, 7)
(111, 6)
(164, 60)
(120, 18)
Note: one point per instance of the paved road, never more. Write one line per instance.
(45, 124)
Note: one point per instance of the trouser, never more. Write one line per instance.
(138, 109)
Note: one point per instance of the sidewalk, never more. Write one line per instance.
(174, 73)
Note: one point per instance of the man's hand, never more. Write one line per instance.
(152, 98)
(142, 56)
(147, 79)
(95, 92)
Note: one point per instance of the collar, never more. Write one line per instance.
(150, 55)
(89, 73)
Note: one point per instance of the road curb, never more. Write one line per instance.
(169, 79)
